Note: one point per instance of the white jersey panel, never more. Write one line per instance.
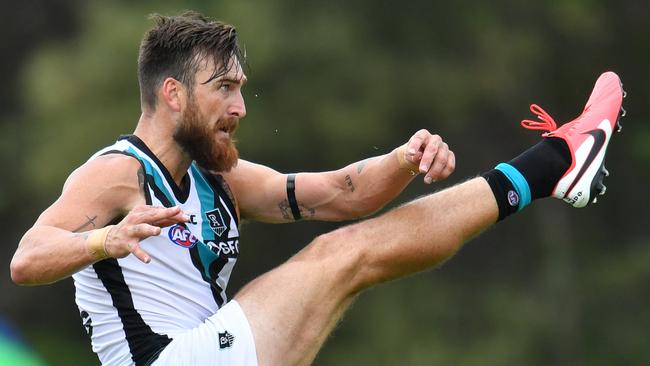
(132, 309)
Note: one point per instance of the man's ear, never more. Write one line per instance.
(173, 93)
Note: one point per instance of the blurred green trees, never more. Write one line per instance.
(335, 82)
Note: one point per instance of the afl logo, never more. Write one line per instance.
(180, 235)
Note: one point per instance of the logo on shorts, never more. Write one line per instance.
(180, 235)
(217, 223)
(226, 340)
(513, 198)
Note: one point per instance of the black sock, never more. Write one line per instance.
(504, 192)
(543, 165)
(535, 174)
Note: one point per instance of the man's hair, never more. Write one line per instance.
(177, 45)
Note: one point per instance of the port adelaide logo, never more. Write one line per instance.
(226, 340)
(180, 235)
(217, 223)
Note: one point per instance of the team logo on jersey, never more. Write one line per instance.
(226, 340)
(217, 223)
(87, 322)
(180, 235)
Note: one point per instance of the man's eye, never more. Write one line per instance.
(224, 86)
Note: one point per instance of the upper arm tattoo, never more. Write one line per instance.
(141, 179)
(87, 224)
(226, 188)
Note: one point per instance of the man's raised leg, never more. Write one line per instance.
(294, 307)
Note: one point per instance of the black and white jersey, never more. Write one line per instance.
(132, 310)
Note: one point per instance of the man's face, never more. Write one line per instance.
(211, 117)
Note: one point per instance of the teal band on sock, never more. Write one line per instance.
(518, 181)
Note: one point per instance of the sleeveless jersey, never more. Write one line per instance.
(132, 310)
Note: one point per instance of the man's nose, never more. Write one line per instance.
(238, 107)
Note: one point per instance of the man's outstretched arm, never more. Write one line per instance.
(354, 191)
(72, 233)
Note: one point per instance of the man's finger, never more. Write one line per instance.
(439, 164)
(429, 153)
(450, 167)
(139, 253)
(154, 214)
(143, 231)
(416, 142)
(167, 221)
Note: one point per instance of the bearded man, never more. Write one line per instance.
(149, 227)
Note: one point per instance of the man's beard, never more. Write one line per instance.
(203, 144)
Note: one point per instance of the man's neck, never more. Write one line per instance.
(158, 134)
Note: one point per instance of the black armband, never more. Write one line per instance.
(291, 196)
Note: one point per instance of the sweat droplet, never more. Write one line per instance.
(375, 147)
(276, 130)
(256, 95)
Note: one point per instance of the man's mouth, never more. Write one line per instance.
(228, 128)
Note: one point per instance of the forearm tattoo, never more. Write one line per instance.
(305, 212)
(87, 224)
(83, 235)
(348, 183)
(361, 165)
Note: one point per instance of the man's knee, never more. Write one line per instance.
(342, 253)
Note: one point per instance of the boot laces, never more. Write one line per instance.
(547, 122)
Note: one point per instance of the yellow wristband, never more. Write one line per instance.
(96, 243)
(405, 164)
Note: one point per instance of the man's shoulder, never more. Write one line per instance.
(112, 163)
(111, 169)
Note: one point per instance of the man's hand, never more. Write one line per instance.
(430, 155)
(141, 223)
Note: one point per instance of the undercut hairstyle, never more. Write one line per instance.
(177, 45)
